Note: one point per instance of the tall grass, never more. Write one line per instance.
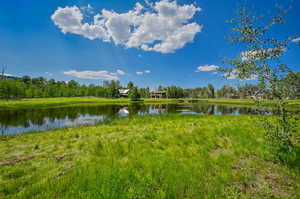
(166, 156)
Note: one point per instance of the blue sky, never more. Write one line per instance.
(32, 44)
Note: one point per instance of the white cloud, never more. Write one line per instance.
(139, 73)
(143, 72)
(207, 68)
(229, 76)
(162, 27)
(69, 20)
(102, 75)
(296, 40)
(49, 74)
(120, 72)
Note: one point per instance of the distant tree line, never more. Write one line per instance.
(289, 85)
(27, 87)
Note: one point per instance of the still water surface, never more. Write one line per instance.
(27, 120)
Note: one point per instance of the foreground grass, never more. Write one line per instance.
(166, 156)
(73, 101)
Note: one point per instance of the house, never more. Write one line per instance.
(158, 94)
(123, 92)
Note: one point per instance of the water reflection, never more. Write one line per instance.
(25, 120)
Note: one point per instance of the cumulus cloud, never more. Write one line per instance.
(48, 73)
(143, 72)
(120, 72)
(232, 75)
(139, 73)
(296, 40)
(163, 26)
(102, 75)
(207, 68)
(229, 76)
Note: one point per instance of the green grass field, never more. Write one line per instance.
(164, 156)
(71, 101)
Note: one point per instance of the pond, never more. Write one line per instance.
(28, 120)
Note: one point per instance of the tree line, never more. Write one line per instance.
(27, 87)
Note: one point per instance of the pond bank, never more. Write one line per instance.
(73, 101)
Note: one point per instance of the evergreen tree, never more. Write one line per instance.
(134, 94)
(211, 91)
(130, 85)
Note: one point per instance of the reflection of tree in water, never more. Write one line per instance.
(3, 129)
(25, 117)
(138, 109)
(210, 109)
(226, 110)
(170, 108)
(159, 108)
(229, 110)
(242, 110)
(206, 109)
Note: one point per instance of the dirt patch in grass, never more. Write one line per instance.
(10, 162)
(263, 178)
(271, 182)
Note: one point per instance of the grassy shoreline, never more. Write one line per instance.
(71, 101)
(164, 156)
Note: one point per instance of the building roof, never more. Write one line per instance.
(123, 91)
